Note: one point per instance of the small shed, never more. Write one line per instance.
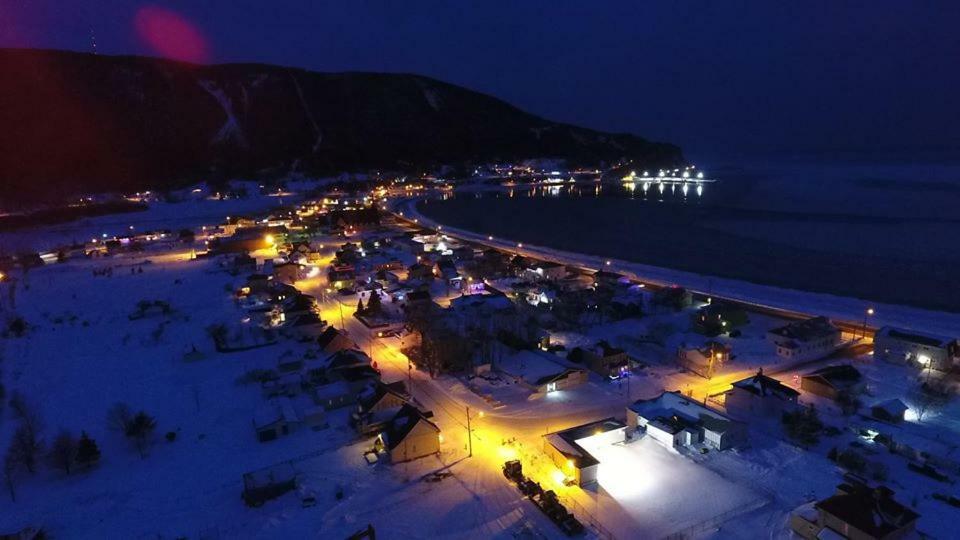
(892, 410)
(270, 483)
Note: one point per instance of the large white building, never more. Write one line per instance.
(677, 421)
(926, 351)
(805, 340)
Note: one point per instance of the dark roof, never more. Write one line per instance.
(871, 510)
(403, 423)
(915, 337)
(555, 376)
(838, 376)
(382, 389)
(418, 295)
(807, 330)
(761, 385)
(327, 336)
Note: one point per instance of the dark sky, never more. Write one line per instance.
(725, 76)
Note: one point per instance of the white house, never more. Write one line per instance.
(809, 339)
(926, 351)
(677, 421)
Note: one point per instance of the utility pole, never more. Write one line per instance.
(469, 435)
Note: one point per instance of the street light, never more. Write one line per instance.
(868, 313)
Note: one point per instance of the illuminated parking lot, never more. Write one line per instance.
(660, 491)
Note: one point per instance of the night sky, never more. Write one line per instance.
(738, 77)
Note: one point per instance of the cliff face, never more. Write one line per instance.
(73, 122)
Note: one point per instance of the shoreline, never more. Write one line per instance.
(836, 307)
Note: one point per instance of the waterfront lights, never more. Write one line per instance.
(489, 238)
(700, 175)
(519, 246)
(268, 239)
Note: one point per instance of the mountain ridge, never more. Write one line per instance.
(79, 123)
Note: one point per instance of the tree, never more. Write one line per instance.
(26, 446)
(360, 309)
(119, 417)
(803, 426)
(374, 306)
(931, 395)
(88, 453)
(140, 429)
(10, 463)
(218, 332)
(63, 452)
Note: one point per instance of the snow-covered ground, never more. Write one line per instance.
(82, 354)
(174, 216)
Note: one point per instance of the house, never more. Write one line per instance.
(705, 360)
(717, 318)
(545, 270)
(677, 421)
(925, 351)
(383, 396)
(288, 272)
(332, 340)
(809, 339)
(270, 483)
(542, 372)
(856, 511)
(673, 297)
(305, 327)
(606, 360)
(604, 278)
(275, 419)
(760, 396)
(334, 395)
(832, 381)
(378, 405)
(410, 435)
(341, 275)
(892, 410)
(288, 384)
(573, 460)
(420, 271)
(489, 314)
(446, 269)
(563, 380)
(298, 304)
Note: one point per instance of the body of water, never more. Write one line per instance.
(884, 233)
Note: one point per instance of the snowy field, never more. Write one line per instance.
(82, 354)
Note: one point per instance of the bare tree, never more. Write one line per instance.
(930, 395)
(140, 430)
(10, 464)
(119, 417)
(63, 452)
(24, 411)
(26, 446)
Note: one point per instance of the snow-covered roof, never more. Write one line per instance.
(532, 366)
(670, 404)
